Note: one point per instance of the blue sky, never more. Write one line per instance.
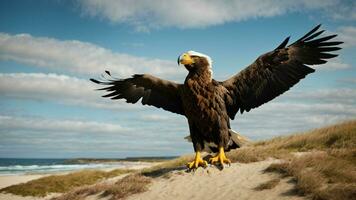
(49, 50)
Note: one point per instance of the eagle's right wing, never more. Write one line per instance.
(275, 72)
(153, 91)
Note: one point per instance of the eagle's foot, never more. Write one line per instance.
(220, 158)
(197, 162)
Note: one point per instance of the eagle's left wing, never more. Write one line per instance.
(276, 71)
(152, 90)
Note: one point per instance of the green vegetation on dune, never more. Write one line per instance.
(61, 183)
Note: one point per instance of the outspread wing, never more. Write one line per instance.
(153, 91)
(276, 71)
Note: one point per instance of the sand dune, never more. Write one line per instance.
(235, 182)
(239, 181)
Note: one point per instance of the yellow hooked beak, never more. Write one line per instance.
(185, 59)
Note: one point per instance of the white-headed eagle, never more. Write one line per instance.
(209, 104)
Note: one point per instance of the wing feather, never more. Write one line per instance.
(151, 90)
(275, 72)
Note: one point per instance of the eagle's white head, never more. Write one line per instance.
(193, 60)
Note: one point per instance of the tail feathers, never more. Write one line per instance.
(188, 138)
(236, 141)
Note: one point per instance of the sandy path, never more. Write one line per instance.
(235, 182)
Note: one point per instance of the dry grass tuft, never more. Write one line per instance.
(80, 193)
(256, 153)
(61, 183)
(268, 185)
(164, 168)
(131, 184)
(280, 168)
(321, 175)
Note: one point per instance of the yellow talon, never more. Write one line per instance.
(221, 158)
(198, 161)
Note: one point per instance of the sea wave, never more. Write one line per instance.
(26, 169)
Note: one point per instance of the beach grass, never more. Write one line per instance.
(322, 162)
(322, 175)
(130, 184)
(337, 137)
(165, 167)
(268, 185)
(62, 183)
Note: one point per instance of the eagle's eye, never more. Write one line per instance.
(194, 58)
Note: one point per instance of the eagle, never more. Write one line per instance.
(209, 105)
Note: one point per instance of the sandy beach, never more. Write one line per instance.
(15, 197)
(7, 180)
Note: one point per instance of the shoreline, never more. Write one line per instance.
(13, 179)
(55, 169)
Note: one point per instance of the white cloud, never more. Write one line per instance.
(155, 117)
(347, 34)
(348, 80)
(298, 111)
(337, 95)
(64, 126)
(31, 136)
(345, 10)
(277, 118)
(332, 65)
(80, 57)
(57, 88)
(146, 14)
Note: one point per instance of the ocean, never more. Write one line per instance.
(16, 166)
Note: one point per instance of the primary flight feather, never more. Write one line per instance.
(209, 104)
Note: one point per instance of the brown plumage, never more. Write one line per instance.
(209, 104)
